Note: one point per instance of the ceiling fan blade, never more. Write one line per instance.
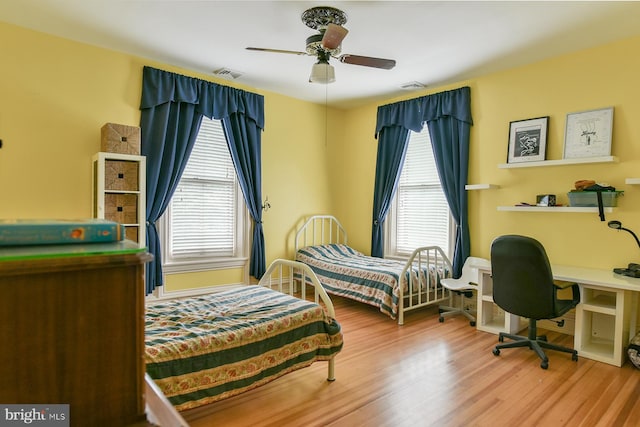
(292, 52)
(367, 61)
(333, 36)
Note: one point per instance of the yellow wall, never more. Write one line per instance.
(589, 79)
(56, 94)
(352, 171)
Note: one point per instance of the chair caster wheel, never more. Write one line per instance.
(441, 319)
(544, 365)
(501, 339)
(472, 323)
(574, 357)
(496, 352)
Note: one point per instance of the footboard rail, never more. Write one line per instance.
(423, 271)
(285, 275)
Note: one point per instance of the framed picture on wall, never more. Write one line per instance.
(588, 133)
(528, 140)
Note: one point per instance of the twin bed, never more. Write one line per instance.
(394, 286)
(203, 349)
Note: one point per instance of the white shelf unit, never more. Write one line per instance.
(555, 209)
(632, 181)
(119, 187)
(492, 318)
(561, 162)
(481, 187)
(602, 324)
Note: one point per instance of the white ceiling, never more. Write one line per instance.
(433, 42)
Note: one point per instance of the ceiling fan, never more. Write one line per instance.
(327, 44)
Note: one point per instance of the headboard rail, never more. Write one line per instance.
(320, 230)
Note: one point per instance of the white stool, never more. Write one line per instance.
(464, 287)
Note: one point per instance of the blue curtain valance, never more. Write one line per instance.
(172, 108)
(448, 117)
(413, 113)
(212, 100)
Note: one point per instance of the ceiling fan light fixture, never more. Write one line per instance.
(327, 43)
(322, 73)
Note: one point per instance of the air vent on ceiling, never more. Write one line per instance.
(412, 86)
(226, 73)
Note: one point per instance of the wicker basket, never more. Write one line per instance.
(131, 233)
(122, 208)
(121, 139)
(121, 175)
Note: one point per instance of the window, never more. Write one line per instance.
(205, 221)
(419, 214)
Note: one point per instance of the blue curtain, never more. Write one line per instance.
(452, 162)
(448, 117)
(169, 122)
(392, 146)
(240, 129)
(172, 108)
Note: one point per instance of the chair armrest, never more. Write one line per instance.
(575, 289)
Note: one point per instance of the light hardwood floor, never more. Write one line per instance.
(427, 373)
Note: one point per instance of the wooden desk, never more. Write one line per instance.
(72, 331)
(606, 317)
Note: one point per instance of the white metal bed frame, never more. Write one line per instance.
(283, 276)
(326, 229)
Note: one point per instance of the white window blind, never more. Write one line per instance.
(421, 211)
(203, 207)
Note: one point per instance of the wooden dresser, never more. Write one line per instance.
(72, 330)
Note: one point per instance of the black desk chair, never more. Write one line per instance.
(523, 285)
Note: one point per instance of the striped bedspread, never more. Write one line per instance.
(203, 349)
(348, 273)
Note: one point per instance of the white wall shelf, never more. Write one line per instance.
(632, 181)
(481, 186)
(555, 209)
(562, 162)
